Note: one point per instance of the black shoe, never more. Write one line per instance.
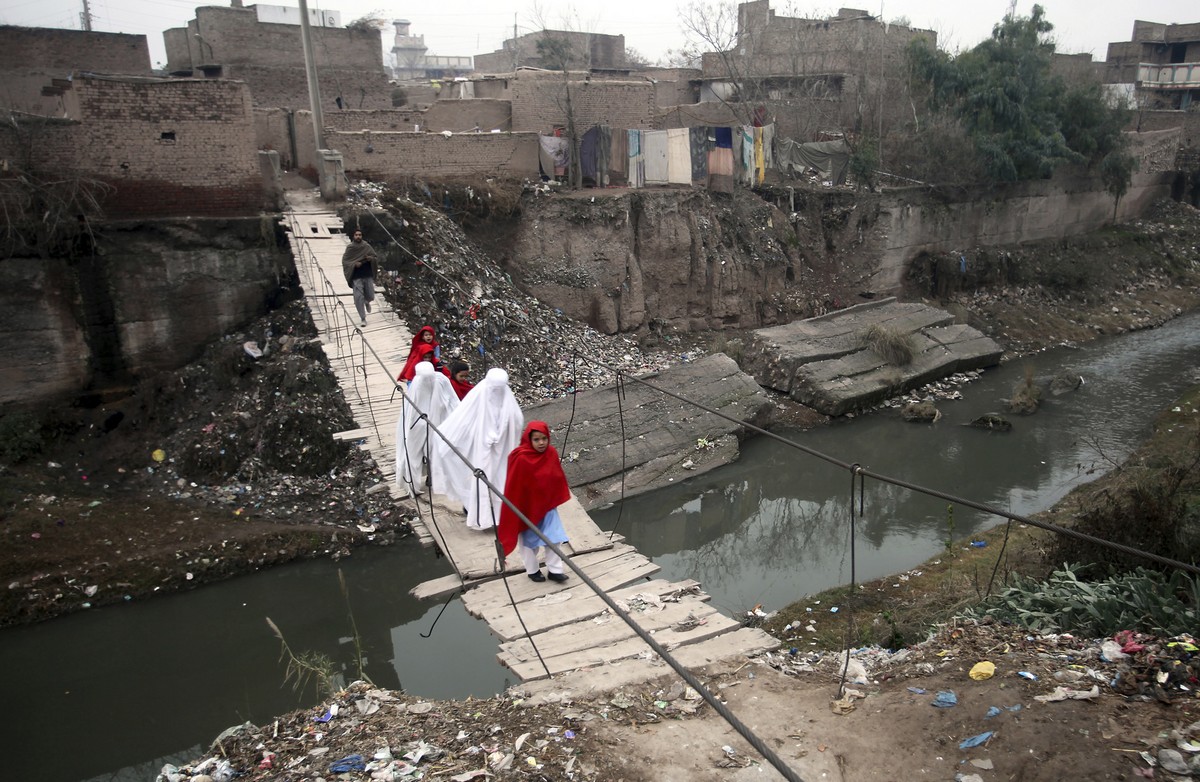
(559, 577)
(538, 576)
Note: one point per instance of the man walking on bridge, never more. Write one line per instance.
(358, 264)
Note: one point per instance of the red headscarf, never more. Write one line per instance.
(460, 389)
(419, 348)
(416, 357)
(535, 484)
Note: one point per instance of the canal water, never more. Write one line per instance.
(113, 693)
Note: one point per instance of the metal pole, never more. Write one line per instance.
(310, 68)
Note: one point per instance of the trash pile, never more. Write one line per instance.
(1043, 669)
(253, 431)
(441, 280)
(364, 732)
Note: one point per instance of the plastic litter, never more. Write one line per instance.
(1027, 675)
(978, 543)
(1110, 651)
(992, 712)
(1063, 694)
(945, 699)
(983, 670)
(976, 740)
(349, 763)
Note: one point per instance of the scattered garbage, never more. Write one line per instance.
(1063, 694)
(975, 741)
(945, 699)
(982, 670)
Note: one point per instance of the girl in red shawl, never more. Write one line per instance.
(537, 486)
(423, 342)
(458, 372)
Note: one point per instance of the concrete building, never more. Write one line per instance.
(411, 62)
(1160, 64)
(261, 46)
(584, 51)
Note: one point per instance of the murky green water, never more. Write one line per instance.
(113, 693)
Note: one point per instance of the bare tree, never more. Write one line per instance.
(44, 210)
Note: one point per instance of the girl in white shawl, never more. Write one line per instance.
(430, 393)
(484, 428)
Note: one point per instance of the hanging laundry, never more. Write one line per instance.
(699, 141)
(619, 157)
(679, 157)
(554, 155)
(603, 150)
(637, 162)
(768, 135)
(587, 154)
(654, 153)
(746, 172)
(759, 170)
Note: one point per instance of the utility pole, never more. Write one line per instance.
(85, 17)
(310, 68)
(516, 48)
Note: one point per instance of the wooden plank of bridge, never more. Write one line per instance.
(362, 357)
(575, 604)
(739, 644)
(473, 551)
(439, 588)
(609, 569)
(616, 642)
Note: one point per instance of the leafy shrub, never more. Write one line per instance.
(1142, 599)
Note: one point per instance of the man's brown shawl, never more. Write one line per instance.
(355, 252)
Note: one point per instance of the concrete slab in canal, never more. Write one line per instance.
(819, 362)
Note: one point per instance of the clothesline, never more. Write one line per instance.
(715, 157)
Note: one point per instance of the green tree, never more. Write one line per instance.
(1023, 120)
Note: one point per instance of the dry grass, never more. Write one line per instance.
(893, 346)
(903, 609)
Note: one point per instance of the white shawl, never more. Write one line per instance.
(430, 393)
(485, 428)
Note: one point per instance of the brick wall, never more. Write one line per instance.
(287, 87)
(271, 132)
(784, 46)
(587, 50)
(165, 147)
(432, 155)
(270, 59)
(1187, 121)
(457, 116)
(538, 103)
(31, 56)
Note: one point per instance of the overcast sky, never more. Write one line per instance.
(469, 27)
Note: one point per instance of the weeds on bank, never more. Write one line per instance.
(893, 346)
(1143, 599)
(1027, 394)
(316, 668)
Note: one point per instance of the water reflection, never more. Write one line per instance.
(775, 526)
(133, 686)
